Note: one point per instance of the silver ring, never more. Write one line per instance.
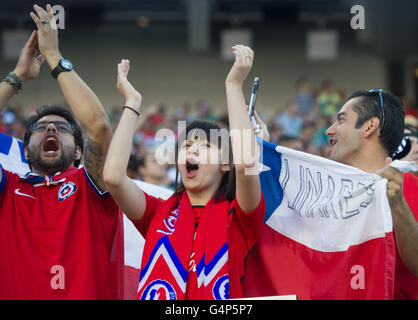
(46, 21)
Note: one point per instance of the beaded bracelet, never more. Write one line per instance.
(15, 81)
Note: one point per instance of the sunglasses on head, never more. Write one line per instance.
(379, 92)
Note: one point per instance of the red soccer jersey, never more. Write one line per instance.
(60, 238)
(243, 232)
(406, 284)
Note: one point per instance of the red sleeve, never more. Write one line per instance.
(250, 222)
(243, 234)
(410, 191)
(3, 182)
(152, 203)
(406, 284)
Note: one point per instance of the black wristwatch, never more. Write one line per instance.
(63, 65)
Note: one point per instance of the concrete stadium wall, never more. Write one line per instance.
(162, 68)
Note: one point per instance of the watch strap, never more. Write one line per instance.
(58, 69)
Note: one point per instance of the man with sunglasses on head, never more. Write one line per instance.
(58, 224)
(366, 134)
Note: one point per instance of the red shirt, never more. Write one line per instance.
(406, 284)
(243, 232)
(58, 241)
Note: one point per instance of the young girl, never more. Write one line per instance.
(197, 240)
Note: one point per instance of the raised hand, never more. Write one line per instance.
(29, 62)
(47, 34)
(132, 97)
(264, 132)
(394, 188)
(242, 66)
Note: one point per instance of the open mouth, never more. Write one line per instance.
(332, 141)
(51, 144)
(192, 167)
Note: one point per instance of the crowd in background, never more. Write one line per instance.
(300, 125)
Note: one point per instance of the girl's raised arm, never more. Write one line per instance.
(244, 144)
(127, 194)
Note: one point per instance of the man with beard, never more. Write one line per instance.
(59, 227)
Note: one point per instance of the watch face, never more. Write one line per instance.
(66, 64)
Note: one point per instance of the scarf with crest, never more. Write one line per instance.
(181, 261)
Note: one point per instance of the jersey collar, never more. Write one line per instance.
(57, 178)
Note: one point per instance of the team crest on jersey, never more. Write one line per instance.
(66, 190)
(159, 290)
(221, 288)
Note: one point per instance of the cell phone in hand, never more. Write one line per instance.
(253, 96)
(252, 103)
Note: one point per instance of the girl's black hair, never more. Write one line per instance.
(226, 190)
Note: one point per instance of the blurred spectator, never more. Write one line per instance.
(223, 119)
(18, 129)
(204, 111)
(290, 122)
(304, 98)
(276, 132)
(158, 118)
(132, 170)
(291, 143)
(320, 139)
(411, 113)
(171, 175)
(411, 121)
(8, 118)
(151, 171)
(306, 136)
(410, 109)
(114, 117)
(328, 99)
(182, 113)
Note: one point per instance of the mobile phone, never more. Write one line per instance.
(252, 104)
(253, 96)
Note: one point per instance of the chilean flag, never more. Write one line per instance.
(327, 232)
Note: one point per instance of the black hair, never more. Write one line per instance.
(58, 111)
(226, 190)
(135, 162)
(392, 128)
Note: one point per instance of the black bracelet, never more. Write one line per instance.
(137, 113)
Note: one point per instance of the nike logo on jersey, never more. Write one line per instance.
(23, 194)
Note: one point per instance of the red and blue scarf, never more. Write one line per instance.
(181, 261)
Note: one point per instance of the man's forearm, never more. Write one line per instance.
(84, 103)
(406, 233)
(88, 109)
